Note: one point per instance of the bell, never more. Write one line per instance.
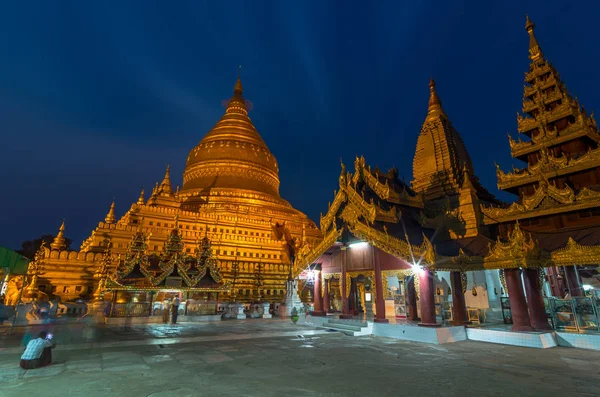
(438, 290)
(474, 291)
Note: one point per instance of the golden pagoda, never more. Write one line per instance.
(230, 196)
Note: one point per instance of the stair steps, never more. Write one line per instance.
(347, 327)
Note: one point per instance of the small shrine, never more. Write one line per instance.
(140, 282)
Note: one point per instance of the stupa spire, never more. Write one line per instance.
(237, 103)
(142, 198)
(535, 52)
(59, 240)
(110, 217)
(165, 186)
(238, 89)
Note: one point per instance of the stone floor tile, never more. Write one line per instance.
(51, 370)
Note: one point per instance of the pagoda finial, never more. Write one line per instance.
(238, 89)
(59, 240)
(535, 52)
(435, 104)
(110, 217)
(141, 199)
(165, 186)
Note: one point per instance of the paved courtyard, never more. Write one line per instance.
(290, 361)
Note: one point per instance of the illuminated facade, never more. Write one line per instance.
(230, 196)
(446, 235)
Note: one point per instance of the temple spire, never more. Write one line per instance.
(237, 103)
(110, 217)
(142, 198)
(238, 89)
(535, 52)
(165, 186)
(59, 240)
(435, 104)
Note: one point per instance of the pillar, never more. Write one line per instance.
(150, 312)
(516, 296)
(535, 300)
(573, 281)
(411, 299)
(427, 299)
(353, 298)
(459, 307)
(380, 297)
(345, 304)
(326, 303)
(318, 300)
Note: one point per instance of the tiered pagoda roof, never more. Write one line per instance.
(171, 269)
(561, 148)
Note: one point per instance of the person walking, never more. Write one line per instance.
(38, 352)
(176, 303)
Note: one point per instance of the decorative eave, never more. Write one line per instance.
(423, 254)
(548, 168)
(460, 263)
(340, 198)
(547, 200)
(383, 190)
(583, 127)
(307, 254)
(521, 250)
(576, 254)
(112, 285)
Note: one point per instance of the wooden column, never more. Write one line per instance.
(326, 303)
(459, 307)
(380, 296)
(353, 298)
(318, 300)
(535, 300)
(411, 299)
(345, 301)
(516, 296)
(573, 282)
(150, 313)
(427, 299)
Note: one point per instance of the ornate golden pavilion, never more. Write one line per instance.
(446, 221)
(230, 196)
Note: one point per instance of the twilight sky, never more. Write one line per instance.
(96, 98)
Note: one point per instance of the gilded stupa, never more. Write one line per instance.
(230, 195)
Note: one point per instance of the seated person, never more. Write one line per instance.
(38, 352)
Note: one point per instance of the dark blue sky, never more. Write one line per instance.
(96, 99)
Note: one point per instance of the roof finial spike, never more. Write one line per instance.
(59, 240)
(142, 197)
(435, 104)
(238, 89)
(535, 52)
(110, 217)
(165, 186)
